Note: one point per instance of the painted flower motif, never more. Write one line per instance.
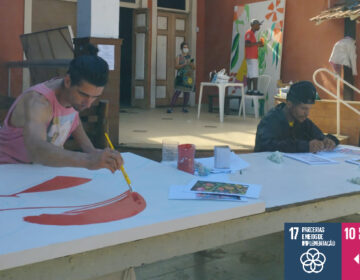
(238, 12)
(274, 9)
(277, 32)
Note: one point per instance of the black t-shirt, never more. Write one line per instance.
(275, 134)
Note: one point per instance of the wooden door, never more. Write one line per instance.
(172, 30)
(140, 96)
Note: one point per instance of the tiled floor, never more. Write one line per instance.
(147, 129)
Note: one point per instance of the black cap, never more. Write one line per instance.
(302, 92)
(256, 21)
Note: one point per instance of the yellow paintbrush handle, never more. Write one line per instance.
(109, 141)
(121, 167)
(125, 175)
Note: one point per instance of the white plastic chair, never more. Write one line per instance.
(263, 87)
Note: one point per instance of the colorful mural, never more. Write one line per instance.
(271, 33)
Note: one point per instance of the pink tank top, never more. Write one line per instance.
(64, 121)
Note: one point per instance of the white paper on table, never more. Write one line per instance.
(236, 164)
(348, 150)
(354, 161)
(253, 190)
(340, 151)
(310, 158)
(181, 192)
(331, 154)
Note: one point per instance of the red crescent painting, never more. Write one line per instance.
(56, 183)
(123, 206)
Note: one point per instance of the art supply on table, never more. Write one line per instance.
(121, 167)
(236, 164)
(355, 180)
(276, 157)
(222, 155)
(182, 193)
(201, 169)
(186, 155)
(225, 188)
(169, 151)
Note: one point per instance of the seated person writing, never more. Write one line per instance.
(286, 128)
(44, 116)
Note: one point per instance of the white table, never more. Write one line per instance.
(222, 90)
(292, 191)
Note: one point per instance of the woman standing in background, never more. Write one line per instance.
(184, 81)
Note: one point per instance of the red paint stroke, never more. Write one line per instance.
(56, 183)
(120, 207)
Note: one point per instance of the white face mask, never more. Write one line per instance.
(185, 50)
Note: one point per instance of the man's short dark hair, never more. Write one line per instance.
(302, 92)
(89, 67)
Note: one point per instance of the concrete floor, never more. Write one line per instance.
(148, 128)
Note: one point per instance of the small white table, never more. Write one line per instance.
(222, 89)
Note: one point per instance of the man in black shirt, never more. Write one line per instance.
(286, 128)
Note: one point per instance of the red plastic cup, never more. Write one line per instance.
(186, 155)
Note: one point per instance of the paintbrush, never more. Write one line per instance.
(122, 166)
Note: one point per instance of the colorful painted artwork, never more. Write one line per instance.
(272, 14)
(220, 188)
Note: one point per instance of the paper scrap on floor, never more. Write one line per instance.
(236, 164)
(310, 158)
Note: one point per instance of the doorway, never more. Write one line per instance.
(172, 30)
(125, 33)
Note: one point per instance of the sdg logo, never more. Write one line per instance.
(313, 261)
(312, 251)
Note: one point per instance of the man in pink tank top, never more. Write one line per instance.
(44, 116)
